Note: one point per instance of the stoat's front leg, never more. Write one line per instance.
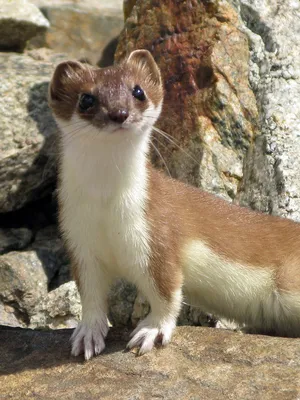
(160, 323)
(93, 285)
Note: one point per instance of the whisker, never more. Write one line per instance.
(113, 156)
(162, 143)
(171, 140)
(71, 124)
(159, 154)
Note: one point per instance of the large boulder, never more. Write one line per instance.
(20, 20)
(200, 363)
(209, 108)
(27, 129)
(23, 282)
(28, 280)
(271, 179)
(84, 29)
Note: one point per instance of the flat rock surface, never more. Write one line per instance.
(201, 363)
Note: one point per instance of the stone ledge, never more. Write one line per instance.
(200, 363)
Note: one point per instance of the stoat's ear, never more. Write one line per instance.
(143, 60)
(64, 74)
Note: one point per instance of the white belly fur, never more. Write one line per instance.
(238, 292)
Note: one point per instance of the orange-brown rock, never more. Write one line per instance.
(209, 110)
(200, 363)
(127, 7)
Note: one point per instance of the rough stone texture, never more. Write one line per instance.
(50, 250)
(87, 30)
(61, 308)
(14, 239)
(114, 4)
(209, 110)
(121, 303)
(127, 7)
(27, 129)
(23, 282)
(200, 363)
(271, 181)
(19, 21)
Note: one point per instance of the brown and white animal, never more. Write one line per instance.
(122, 218)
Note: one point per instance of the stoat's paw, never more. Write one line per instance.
(89, 338)
(148, 333)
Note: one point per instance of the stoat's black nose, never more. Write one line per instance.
(118, 115)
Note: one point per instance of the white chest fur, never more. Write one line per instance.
(102, 197)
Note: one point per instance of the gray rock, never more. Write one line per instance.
(19, 21)
(9, 316)
(121, 302)
(14, 239)
(61, 308)
(271, 176)
(83, 30)
(50, 250)
(140, 309)
(88, 4)
(23, 282)
(27, 129)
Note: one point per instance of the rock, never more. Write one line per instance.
(9, 316)
(121, 302)
(271, 178)
(23, 282)
(19, 21)
(140, 309)
(50, 250)
(14, 239)
(60, 309)
(200, 363)
(25, 279)
(113, 4)
(127, 7)
(27, 129)
(209, 109)
(83, 30)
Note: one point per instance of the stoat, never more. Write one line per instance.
(122, 218)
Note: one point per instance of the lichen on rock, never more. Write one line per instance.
(209, 109)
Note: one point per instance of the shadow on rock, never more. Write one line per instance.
(108, 53)
(26, 349)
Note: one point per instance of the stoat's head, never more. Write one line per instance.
(120, 100)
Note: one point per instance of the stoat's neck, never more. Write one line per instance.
(104, 169)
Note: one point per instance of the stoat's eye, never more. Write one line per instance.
(138, 93)
(86, 101)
